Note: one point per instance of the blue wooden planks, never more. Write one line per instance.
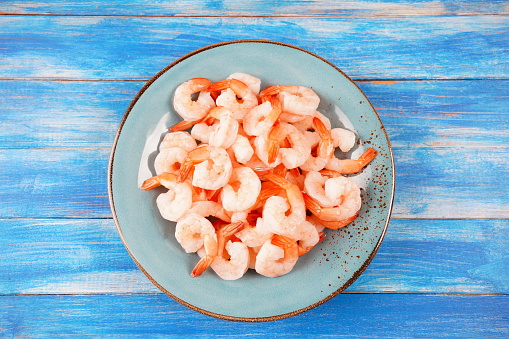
(353, 315)
(365, 48)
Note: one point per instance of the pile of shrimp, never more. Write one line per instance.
(252, 176)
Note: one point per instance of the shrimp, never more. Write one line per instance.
(181, 140)
(350, 166)
(169, 160)
(266, 146)
(242, 190)
(212, 247)
(277, 256)
(254, 236)
(233, 262)
(312, 237)
(225, 130)
(307, 123)
(201, 131)
(209, 209)
(349, 202)
(325, 148)
(242, 149)
(212, 167)
(325, 191)
(184, 104)
(192, 230)
(337, 224)
(297, 100)
(298, 153)
(233, 88)
(343, 138)
(252, 82)
(172, 204)
(261, 118)
(275, 210)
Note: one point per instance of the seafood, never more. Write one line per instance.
(184, 104)
(251, 176)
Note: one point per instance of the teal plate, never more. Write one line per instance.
(329, 268)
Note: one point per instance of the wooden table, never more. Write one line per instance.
(436, 71)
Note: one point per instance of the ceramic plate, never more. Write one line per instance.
(329, 268)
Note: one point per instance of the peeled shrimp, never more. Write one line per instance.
(181, 140)
(169, 160)
(254, 236)
(202, 131)
(242, 190)
(251, 81)
(261, 118)
(231, 89)
(212, 167)
(343, 138)
(172, 204)
(183, 101)
(242, 149)
(277, 256)
(207, 208)
(224, 131)
(214, 247)
(324, 151)
(299, 150)
(297, 100)
(349, 202)
(233, 262)
(192, 230)
(325, 191)
(350, 166)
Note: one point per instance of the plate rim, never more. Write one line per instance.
(355, 275)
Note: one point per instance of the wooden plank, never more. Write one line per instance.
(430, 183)
(365, 48)
(352, 315)
(47, 256)
(258, 8)
(462, 114)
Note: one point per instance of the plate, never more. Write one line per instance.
(329, 268)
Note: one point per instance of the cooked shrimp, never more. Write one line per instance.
(335, 225)
(254, 236)
(297, 100)
(290, 118)
(181, 140)
(261, 118)
(212, 167)
(169, 160)
(307, 123)
(201, 131)
(298, 153)
(266, 146)
(192, 230)
(343, 138)
(350, 202)
(184, 104)
(242, 149)
(350, 166)
(277, 256)
(172, 204)
(209, 209)
(252, 82)
(231, 89)
(327, 192)
(233, 262)
(242, 190)
(225, 130)
(325, 148)
(212, 248)
(275, 213)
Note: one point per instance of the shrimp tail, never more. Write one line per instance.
(195, 156)
(184, 125)
(326, 145)
(202, 265)
(276, 135)
(234, 84)
(335, 225)
(367, 157)
(282, 241)
(158, 180)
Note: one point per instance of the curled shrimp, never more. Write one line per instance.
(254, 236)
(184, 104)
(207, 208)
(324, 151)
(192, 230)
(324, 190)
(212, 246)
(181, 140)
(298, 151)
(261, 118)
(343, 138)
(297, 100)
(169, 160)
(231, 90)
(174, 203)
(275, 211)
(233, 262)
(212, 167)
(349, 202)
(350, 166)
(242, 190)
(252, 82)
(277, 256)
(225, 131)
(335, 225)
(242, 149)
